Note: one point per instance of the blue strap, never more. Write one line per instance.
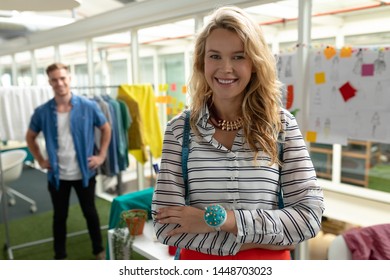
(184, 160)
(185, 152)
(280, 155)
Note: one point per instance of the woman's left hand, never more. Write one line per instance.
(189, 218)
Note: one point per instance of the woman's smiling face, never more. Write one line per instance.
(227, 69)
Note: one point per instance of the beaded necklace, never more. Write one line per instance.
(224, 124)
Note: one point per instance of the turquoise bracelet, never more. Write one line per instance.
(215, 216)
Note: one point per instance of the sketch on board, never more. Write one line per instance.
(380, 63)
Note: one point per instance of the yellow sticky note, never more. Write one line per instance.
(320, 78)
(311, 136)
(160, 87)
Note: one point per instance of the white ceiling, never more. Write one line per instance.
(274, 17)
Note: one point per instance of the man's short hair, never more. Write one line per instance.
(56, 66)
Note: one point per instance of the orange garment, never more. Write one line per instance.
(145, 129)
(251, 254)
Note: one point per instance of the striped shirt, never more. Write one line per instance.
(232, 179)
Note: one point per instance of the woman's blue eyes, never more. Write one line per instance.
(237, 57)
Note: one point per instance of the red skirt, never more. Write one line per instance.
(251, 254)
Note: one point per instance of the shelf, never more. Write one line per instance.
(357, 159)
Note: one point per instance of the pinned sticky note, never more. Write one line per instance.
(319, 78)
(163, 87)
(169, 99)
(311, 136)
(169, 110)
(184, 89)
(347, 91)
(173, 87)
(346, 52)
(329, 52)
(161, 99)
(180, 106)
(290, 96)
(368, 70)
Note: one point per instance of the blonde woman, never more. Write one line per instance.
(233, 164)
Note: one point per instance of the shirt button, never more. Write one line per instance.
(232, 178)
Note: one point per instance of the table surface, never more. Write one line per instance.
(145, 244)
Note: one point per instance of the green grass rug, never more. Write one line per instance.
(39, 227)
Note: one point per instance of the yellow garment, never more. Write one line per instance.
(145, 129)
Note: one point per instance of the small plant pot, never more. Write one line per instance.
(135, 220)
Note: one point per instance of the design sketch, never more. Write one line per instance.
(357, 69)
(379, 63)
(288, 71)
(375, 121)
(379, 98)
(327, 127)
(317, 98)
(318, 61)
(334, 75)
(318, 124)
(279, 64)
(356, 123)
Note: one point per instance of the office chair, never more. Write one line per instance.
(12, 167)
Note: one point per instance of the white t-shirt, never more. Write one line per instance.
(67, 160)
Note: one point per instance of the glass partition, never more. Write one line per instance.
(6, 70)
(23, 69)
(44, 57)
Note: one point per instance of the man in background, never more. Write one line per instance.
(68, 123)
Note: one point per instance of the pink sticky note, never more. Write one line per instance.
(368, 70)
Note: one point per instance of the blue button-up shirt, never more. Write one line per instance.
(85, 115)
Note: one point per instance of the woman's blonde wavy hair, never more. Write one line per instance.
(262, 100)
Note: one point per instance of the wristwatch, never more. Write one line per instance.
(215, 216)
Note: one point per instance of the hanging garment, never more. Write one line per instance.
(145, 129)
(118, 130)
(126, 123)
(16, 107)
(110, 165)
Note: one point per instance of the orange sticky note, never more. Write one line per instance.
(161, 99)
(169, 110)
(329, 52)
(311, 136)
(169, 99)
(184, 89)
(320, 78)
(346, 52)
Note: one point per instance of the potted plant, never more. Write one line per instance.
(131, 224)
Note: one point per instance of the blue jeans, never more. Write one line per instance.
(60, 199)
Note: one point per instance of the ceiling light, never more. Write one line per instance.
(39, 5)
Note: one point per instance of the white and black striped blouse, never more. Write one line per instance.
(230, 178)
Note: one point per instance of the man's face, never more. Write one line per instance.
(59, 80)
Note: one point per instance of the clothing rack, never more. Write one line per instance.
(119, 187)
